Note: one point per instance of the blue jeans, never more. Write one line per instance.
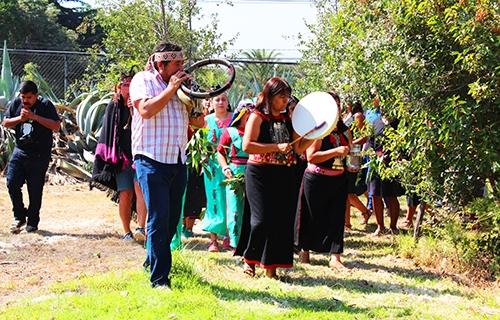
(29, 168)
(162, 186)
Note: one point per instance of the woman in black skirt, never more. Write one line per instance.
(269, 180)
(321, 213)
(194, 199)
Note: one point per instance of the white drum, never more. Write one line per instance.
(312, 110)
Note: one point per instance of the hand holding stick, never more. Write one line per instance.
(319, 126)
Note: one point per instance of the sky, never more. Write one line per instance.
(264, 24)
(259, 24)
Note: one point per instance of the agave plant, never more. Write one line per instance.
(81, 124)
(9, 84)
(89, 117)
(7, 144)
(31, 73)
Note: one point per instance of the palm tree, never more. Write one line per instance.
(259, 72)
(252, 75)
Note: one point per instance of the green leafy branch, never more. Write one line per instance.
(199, 151)
(366, 131)
(236, 183)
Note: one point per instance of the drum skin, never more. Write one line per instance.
(311, 111)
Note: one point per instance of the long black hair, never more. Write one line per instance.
(272, 88)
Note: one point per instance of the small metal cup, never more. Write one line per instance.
(354, 157)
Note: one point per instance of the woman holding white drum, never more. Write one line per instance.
(269, 179)
(324, 193)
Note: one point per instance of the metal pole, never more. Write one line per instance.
(65, 75)
(190, 34)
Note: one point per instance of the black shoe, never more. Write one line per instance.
(16, 226)
(31, 228)
(147, 266)
(164, 286)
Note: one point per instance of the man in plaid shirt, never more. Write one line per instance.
(159, 139)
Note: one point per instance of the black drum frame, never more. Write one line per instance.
(193, 91)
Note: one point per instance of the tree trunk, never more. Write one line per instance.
(164, 20)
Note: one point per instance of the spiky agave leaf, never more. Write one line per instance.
(32, 73)
(6, 76)
(7, 144)
(9, 84)
(83, 107)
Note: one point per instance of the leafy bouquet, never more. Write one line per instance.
(199, 151)
(236, 183)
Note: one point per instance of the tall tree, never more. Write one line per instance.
(133, 28)
(33, 24)
(435, 65)
(79, 18)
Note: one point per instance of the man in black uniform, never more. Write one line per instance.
(34, 119)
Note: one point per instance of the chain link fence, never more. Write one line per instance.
(59, 68)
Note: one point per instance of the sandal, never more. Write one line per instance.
(394, 231)
(249, 269)
(226, 244)
(407, 225)
(213, 247)
(380, 232)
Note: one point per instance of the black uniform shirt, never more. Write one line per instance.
(32, 137)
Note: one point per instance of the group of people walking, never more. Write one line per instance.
(296, 195)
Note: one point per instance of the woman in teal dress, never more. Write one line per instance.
(214, 220)
(233, 161)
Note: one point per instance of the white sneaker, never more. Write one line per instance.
(139, 235)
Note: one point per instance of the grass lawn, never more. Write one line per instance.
(212, 286)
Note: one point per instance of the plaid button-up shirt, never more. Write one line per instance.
(163, 136)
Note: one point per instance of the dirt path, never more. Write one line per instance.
(79, 235)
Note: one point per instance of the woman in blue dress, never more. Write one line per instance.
(214, 220)
(233, 161)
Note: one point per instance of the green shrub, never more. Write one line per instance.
(461, 242)
(406, 245)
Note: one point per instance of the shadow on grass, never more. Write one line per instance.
(362, 255)
(287, 302)
(366, 242)
(184, 278)
(413, 274)
(416, 273)
(367, 286)
(360, 232)
(297, 276)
